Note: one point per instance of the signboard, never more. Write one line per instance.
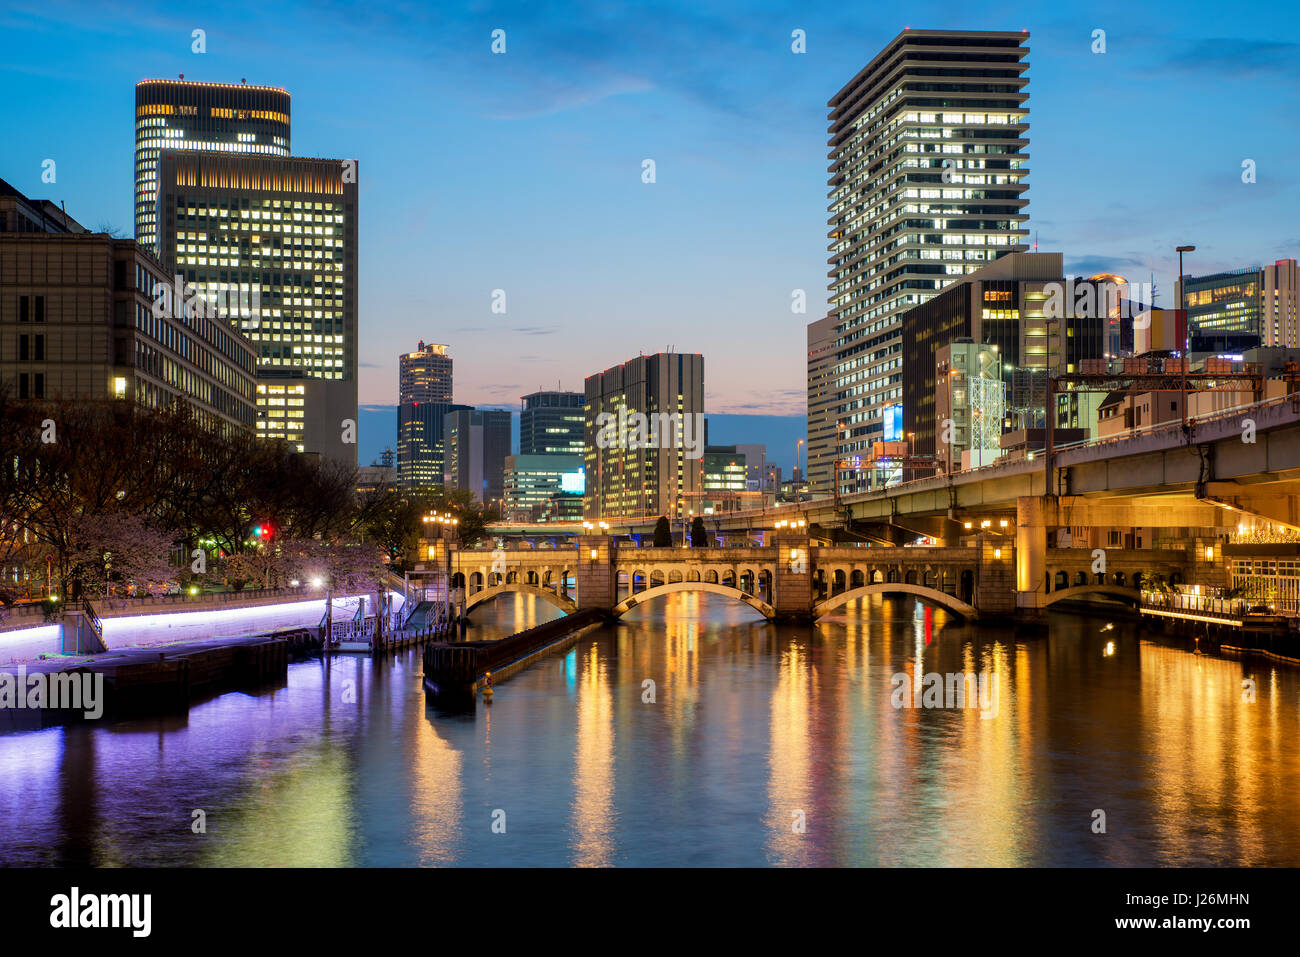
(573, 482)
(894, 423)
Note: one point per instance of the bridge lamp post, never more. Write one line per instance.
(1187, 328)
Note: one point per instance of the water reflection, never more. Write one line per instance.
(760, 744)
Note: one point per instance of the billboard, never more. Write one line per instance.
(894, 423)
(573, 482)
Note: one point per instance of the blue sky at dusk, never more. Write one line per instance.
(522, 171)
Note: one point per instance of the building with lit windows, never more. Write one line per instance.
(927, 161)
(77, 322)
(551, 423)
(421, 442)
(216, 117)
(425, 374)
(278, 237)
(477, 442)
(822, 406)
(1005, 309)
(424, 399)
(1258, 301)
(630, 479)
(532, 480)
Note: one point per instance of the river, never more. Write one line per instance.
(755, 744)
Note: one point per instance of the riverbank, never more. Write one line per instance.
(159, 679)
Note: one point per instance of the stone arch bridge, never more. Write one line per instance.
(791, 578)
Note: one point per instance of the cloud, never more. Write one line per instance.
(1237, 59)
(1093, 264)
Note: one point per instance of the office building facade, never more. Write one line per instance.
(552, 423)
(477, 442)
(927, 161)
(531, 481)
(77, 322)
(215, 117)
(425, 374)
(424, 399)
(1233, 306)
(1020, 307)
(272, 243)
(421, 443)
(822, 406)
(635, 478)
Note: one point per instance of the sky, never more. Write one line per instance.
(523, 171)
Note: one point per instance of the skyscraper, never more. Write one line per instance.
(926, 168)
(424, 399)
(184, 115)
(477, 443)
(279, 234)
(551, 423)
(644, 472)
(425, 374)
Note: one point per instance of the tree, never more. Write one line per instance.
(117, 551)
(663, 534)
(699, 537)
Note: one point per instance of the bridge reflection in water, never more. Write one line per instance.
(752, 728)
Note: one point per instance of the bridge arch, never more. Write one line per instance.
(1131, 595)
(566, 605)
(632, 601)
(949, 602)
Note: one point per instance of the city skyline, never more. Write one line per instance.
(738, 200)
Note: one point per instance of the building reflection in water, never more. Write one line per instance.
(752, 722)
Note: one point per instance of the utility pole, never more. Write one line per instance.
(1187, 333)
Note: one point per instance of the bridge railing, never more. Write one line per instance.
(1194, 604)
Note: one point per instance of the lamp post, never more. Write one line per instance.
(797, 446)
(1187, 330)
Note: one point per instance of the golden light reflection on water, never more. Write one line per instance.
(752, 722)
(593, 795)
(1217, 759)
(436, 792)
(789, 792)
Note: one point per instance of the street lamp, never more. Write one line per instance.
(1187, 330)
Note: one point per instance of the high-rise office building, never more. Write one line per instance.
(927, 157)
(77, 321)
(424, 399)
(822, 406)
(421, 442)
(277, 234)
(1258, 301)
(551, 423)
(644, 436)
(217, 117)
(425, 374)
(477, 442)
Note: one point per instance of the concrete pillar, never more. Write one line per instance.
(792, 585)
(597, 572)
(1035, 515)
(995, 578)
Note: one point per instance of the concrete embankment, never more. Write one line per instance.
(454, 672)
(158, 680)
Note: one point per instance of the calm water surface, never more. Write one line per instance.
(754, 727)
